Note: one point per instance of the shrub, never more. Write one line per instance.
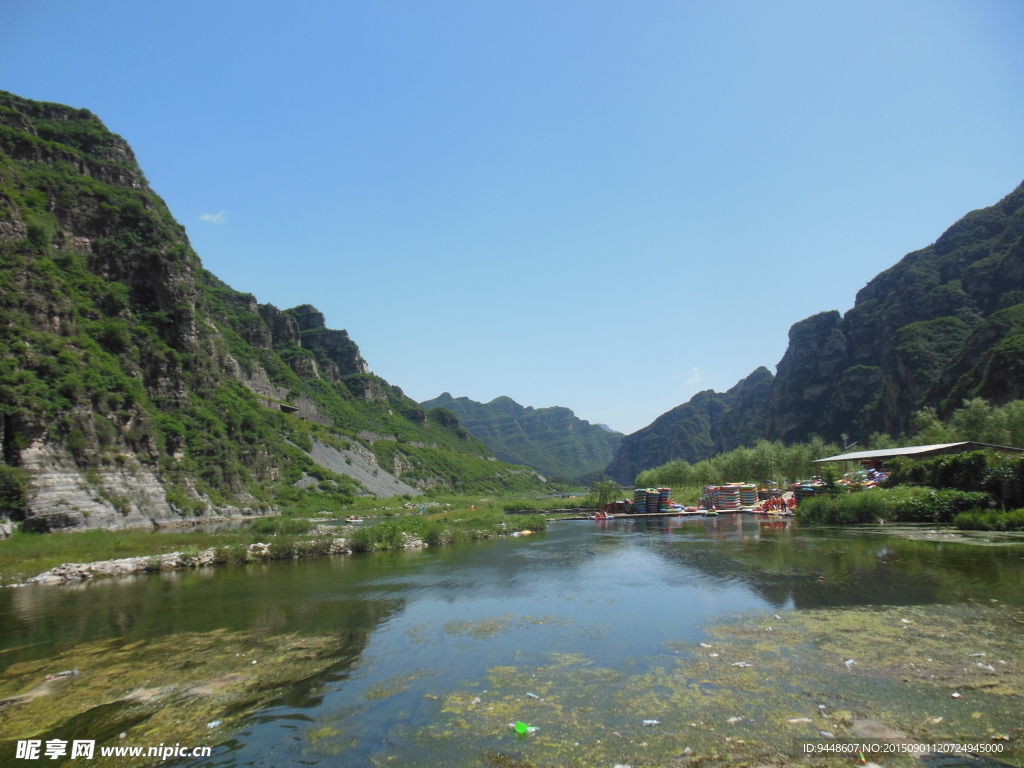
(990, 520)
(998, 474)
(13, 492)
(906, 504)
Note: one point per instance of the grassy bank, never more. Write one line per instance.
(405, 505)
(25, 555)
(446, 528)
(903, 504)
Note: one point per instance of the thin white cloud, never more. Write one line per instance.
(214, 218)
(695, 374)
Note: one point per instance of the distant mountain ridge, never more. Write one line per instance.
(552, 440)
(942, 325)
(707, 424)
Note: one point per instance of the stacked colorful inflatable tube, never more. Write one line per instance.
(664, 499)
(653, 497)
(639, 500)
(748, 495)
(727, 498)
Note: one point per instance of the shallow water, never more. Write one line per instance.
(377, 659)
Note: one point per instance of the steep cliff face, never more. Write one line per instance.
(943, 325)
(136, 387)
(709, 423)
(924, 332)
(552, 440)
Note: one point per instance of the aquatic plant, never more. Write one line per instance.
(756, 684)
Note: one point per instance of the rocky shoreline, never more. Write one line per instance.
(323, 543)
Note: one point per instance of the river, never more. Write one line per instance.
(736, 635)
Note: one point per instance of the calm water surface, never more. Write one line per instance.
(438, 620)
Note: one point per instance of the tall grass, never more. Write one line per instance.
(293, 526)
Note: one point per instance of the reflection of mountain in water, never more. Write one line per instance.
(825, 567)
(316, 597)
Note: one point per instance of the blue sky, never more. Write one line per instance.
(603, 205)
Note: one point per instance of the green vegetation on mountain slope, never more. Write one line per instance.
(942, 326)
(553, 440)
(125, 364)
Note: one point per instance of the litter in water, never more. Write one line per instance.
(65, 673)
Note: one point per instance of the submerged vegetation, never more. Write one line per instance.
(188, 687)
(757, 683)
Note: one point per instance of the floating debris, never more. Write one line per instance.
(742, 664)
(652, 722)
(65, 673)
(800, 720)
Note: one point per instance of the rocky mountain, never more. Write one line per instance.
(708, 423)
(137, 387)
(940, 326)
(551, 440)
(944, 324)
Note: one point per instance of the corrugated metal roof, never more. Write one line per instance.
(912, 450)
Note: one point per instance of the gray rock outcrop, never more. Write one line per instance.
(361, 464)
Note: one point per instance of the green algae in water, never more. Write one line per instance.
(158, 691)
(761, 684)
(482, 629)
